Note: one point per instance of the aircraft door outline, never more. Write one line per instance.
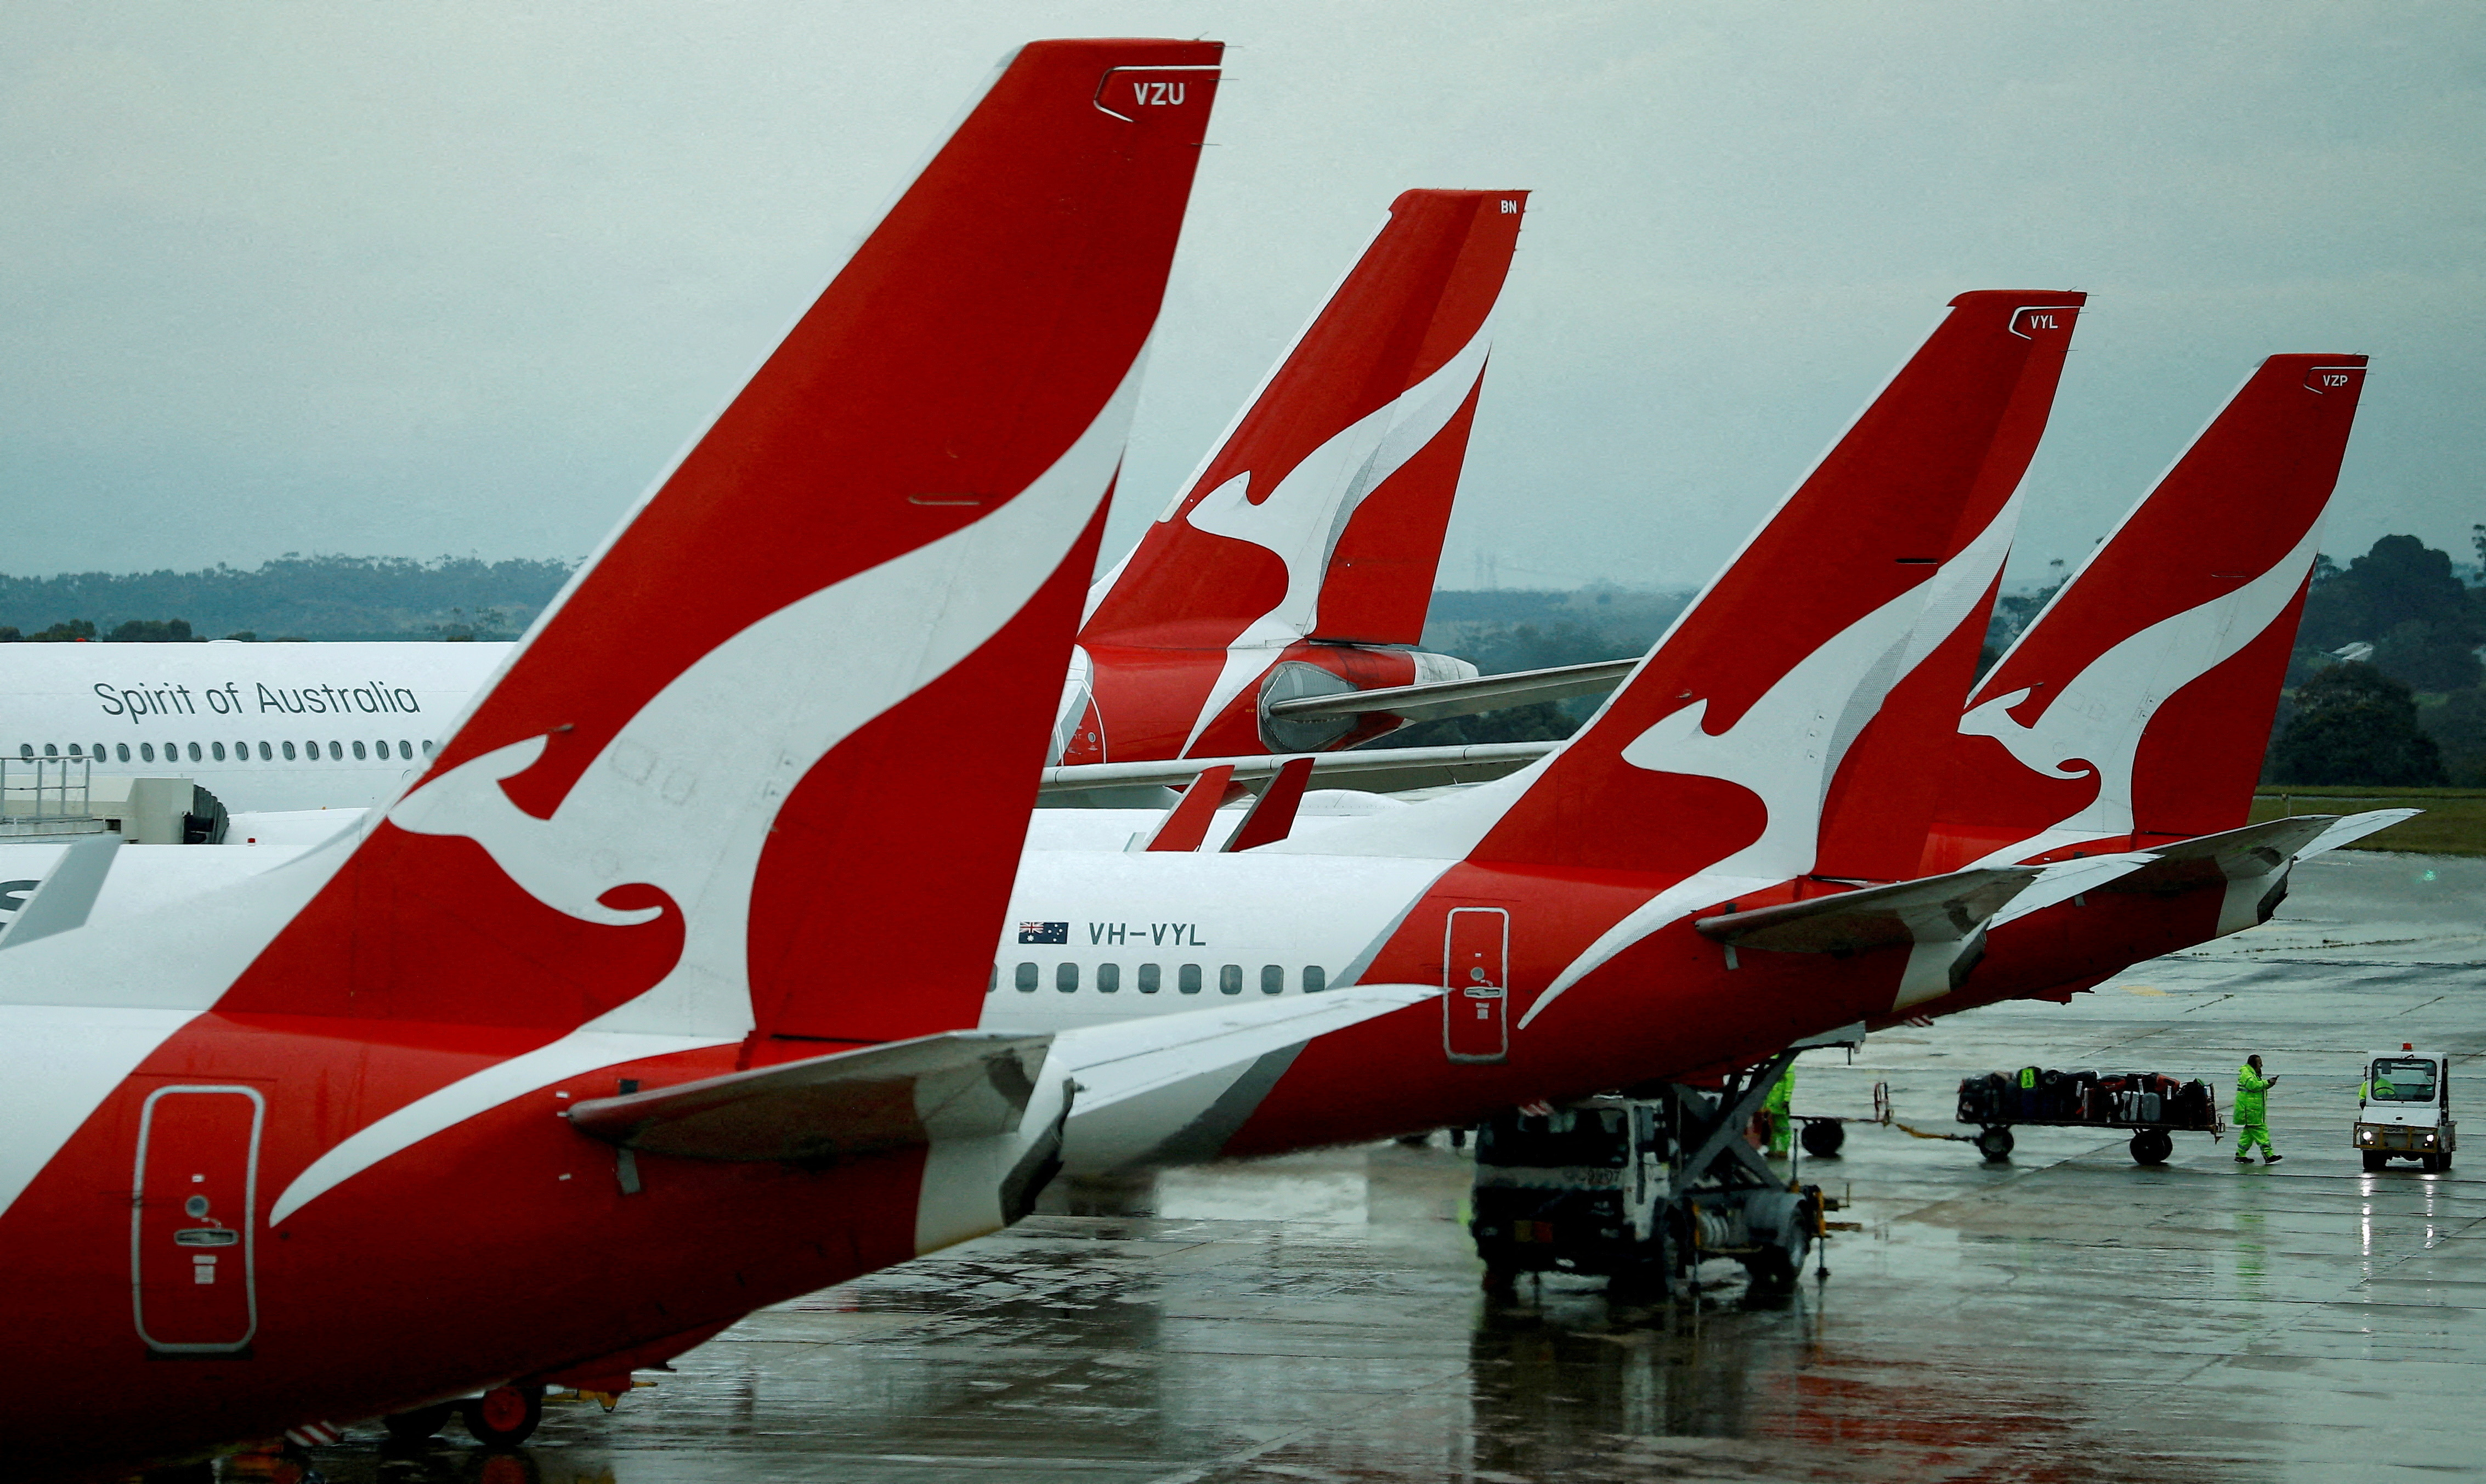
(194, 1198)
(1475, 978)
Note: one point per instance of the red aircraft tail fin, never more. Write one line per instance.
(680, 817)
(1320, 513)
(1772, 726)
(2139, 701)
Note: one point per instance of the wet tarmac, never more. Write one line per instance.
(2066, 1316)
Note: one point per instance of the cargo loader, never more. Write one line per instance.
(1641, 1187)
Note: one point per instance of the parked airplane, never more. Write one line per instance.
(1298, 559)
(1321, 511)
(1767, 751)
(536, 1073)
(2125, 727)
(1831, 652)
(264, 725)
(2133, 714)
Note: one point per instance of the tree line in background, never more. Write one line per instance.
(2408, 711)
(293, 598)
(2411, 712)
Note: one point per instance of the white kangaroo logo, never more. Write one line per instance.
(691, 784)
(1304, 517)
(1786, 747)
(2099, 717)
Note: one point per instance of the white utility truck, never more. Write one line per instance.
(2404, 1110)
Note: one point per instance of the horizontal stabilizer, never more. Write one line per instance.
(2229, 855)
(2355, 827)
(1272, 816)
(1170, 1088)
(933, 1090)
(1940, 920)
(1186, 824)
(2064, 880)
(1937, 909)
(67, 891)
(1379, 770)
(1461, 698)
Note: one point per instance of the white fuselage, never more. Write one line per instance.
(1215, 928)
(261, 725)
(1179, 931)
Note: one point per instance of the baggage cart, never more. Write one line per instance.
(2153, 1106)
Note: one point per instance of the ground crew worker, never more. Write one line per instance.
(2252, 1115)
(1775, 1109)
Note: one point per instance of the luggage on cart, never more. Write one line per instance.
(1983, 1099)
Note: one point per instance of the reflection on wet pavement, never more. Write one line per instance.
(2066, 1316)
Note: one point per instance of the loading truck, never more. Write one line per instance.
(2404, 1110)
(1640, 1189)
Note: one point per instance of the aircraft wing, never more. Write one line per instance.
(1168, 1089)
(2067, 879)
(2227, 856)
(1378, 769)
(1128, 1058)
(1461, 698)
(1937, 909)
(930, 1089)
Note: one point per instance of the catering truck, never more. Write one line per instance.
(2404, 1110)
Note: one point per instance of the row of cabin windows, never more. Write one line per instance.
(1150, 979)
(202, 752)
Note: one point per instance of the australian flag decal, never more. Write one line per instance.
(1045, 932)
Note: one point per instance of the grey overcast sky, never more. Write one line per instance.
(458, 278)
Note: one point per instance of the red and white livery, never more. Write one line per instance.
(1299, 559)
(1769, 752)
(553, 1067)
(2133, 714)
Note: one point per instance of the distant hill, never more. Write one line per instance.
(1506, 629)
(1503, 630)
(295, 597)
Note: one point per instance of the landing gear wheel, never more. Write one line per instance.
(1823, 1138)
(2376, 1162)
(1771, 1267)
(504, 1417)
(419, 1424)
(1994, 1143)
(2152, 1147)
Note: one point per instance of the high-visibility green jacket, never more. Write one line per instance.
(2249, 1086)
(1783, 1094)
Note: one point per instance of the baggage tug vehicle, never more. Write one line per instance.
(2404, 1111)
